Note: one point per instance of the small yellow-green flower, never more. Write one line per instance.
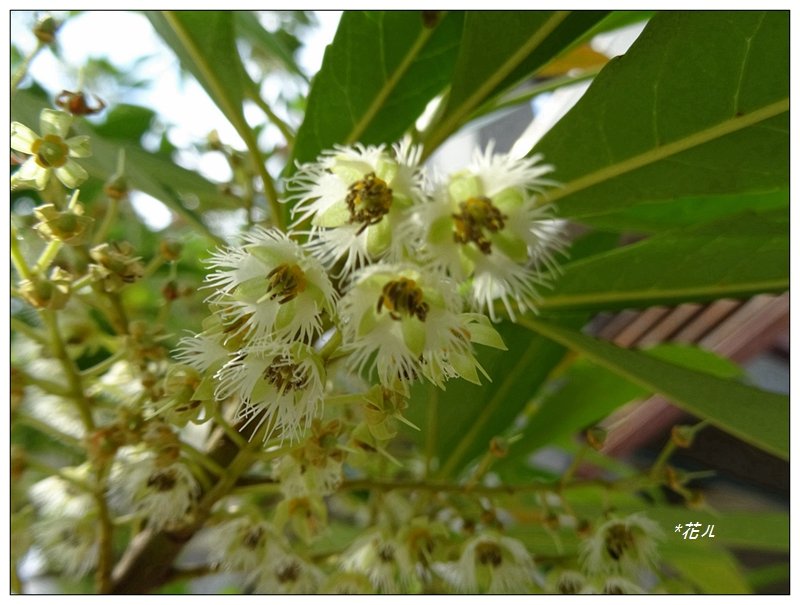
(50, 152)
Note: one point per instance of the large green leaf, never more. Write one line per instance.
(205, 43)
(460, 422)
(498, 50)
(376, 78)
(586, 393)
(688, 211)
(738, 256)
(698, 106)
(753, 415)
(279, 45)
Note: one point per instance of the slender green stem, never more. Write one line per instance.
(331, 346)
(243, 460)
(574, 466)
(432, 432)
(48, 256)
(202, 459)
(48, 386)
(286, 130)
(23, 67)
(17, 325)
(73, 376)
(105, 543)
(82, 282)
(534, 91)
(377, 485)
(102, 366)
(20, 264)
(46, 429)
(108, 219)
(48, 470)
(232, 433)
(153, 266)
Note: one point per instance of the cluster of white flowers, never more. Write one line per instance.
(400, 267)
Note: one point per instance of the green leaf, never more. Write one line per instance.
(587, 393)
(205, 43)
(458, 424)
(698, 106)
(760, 530)
(126, 122)
(498, 50)
(376, 78)
(735, 257)
(710, 571)
(753, 415)
(688, 211)
(279, 45)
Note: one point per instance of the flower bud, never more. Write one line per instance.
(115, 265)
(170, 249)
(69, 227)
(596, 437)
(682, 435)
(116, 187)
(77, 104)
(45, 29)
(45, 293)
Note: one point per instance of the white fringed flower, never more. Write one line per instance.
(141, 483)
(383, 559)
(270, 286)
(302, 479)
(240, 545)
(69, 543)
(624, 546)
(204, 351)
(490, 563)
(405, 322)
(55, 496)
(50, 152)
(484, 225)
(281, 384)
(66, 527)
(283, 572)
(357, 198)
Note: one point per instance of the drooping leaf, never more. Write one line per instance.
(738, 256)
(376, 78)
(755, 416)
(697, 107)
(498, 50)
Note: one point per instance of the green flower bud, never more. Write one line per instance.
(69, 227)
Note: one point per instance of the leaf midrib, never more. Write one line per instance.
(564, 338)
(389, 85)
(662, 152)
(499, 396)
(499, 75)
